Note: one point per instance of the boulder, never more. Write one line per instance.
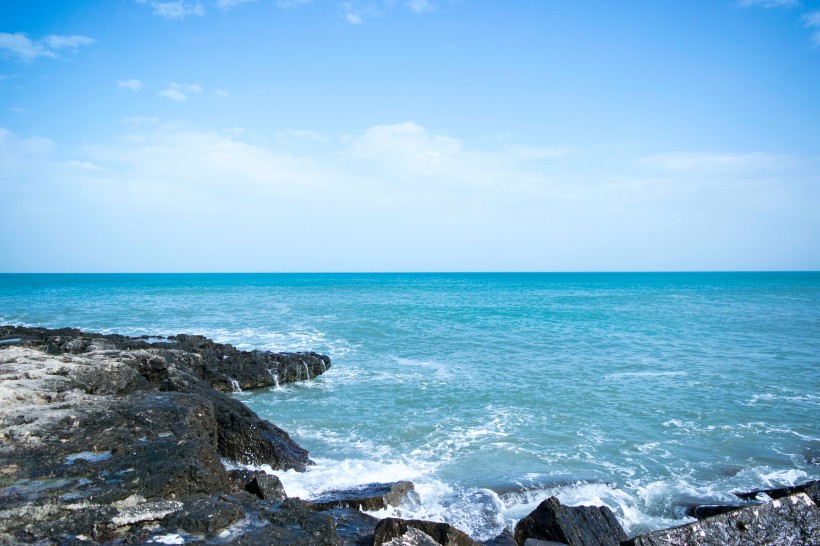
(504, 539)
(372, 496)
(266, 486)
(793, 520)
(443, 534)
(207, 516)
(354, 528)
(412, 537)
(575, 525)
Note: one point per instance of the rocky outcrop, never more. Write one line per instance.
(793, 520)
(115, 440)
(812, 489)
(575, 525)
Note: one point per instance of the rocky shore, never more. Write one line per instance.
(108, 439)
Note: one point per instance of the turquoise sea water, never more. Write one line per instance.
(491, 392)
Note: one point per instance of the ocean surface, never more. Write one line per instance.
(492, 392)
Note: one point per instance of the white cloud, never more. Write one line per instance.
(26, 49)
(179, 9)
(353, 18)
(180, 92)
(421, 6)
(286, 4)
(723, 162)
(132, 84)
(812, 21)
(229, 4)
(768, 3)
(72, 42)
(399, 196)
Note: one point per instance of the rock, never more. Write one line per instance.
(536, 542)
(709, 510)
(354, 528)
(412, 537)
(111, 439)
(504, 539)
(266, 486)
(443, 534)
(294, 522)
(373, 496)
(204, 516)
(812, 489)
(793, 520)
(575, 525)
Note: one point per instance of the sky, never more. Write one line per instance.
(409, 135)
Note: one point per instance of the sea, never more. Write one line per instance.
(644, 392)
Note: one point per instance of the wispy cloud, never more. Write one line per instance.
(221, 93)
(175, 10)
(285, 4)
(21, 46)
(132, 84)
(711, 162)
(180, 92)
(768, 3)
(812, 21)
(229, 4)
(421, 6)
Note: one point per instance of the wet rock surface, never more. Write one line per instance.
(793, 520)
(575, 525)
(373, 496)
(444, 534)
(111, 439)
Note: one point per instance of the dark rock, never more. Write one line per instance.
(791, 520)
(504, 539)
(266, 486)
(412, 537)
(354, 528)
(443, 533)
(294, 522)
(709, 510)
(536, 542)
(576, 525)
(812, 489)
(372, 496)
(205, 516)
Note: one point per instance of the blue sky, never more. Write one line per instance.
(420, 135)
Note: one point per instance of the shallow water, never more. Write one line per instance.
(491, 392)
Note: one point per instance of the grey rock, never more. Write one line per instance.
(812, 489)
(575, 525)
(204, 516)
(412, 537)
(373, 496)
(791, 520)
(504, 539)
(536, 542)
(266, 486)
(354, 528)
(443, 534)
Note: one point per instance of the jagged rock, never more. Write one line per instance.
(575, 525)
(443, 534)
(504, 539)
(205, 516)
(113, 439)
(791, 520)
(812, 489)
(709, 510)
(294, 522)
(412, 537)
(372, 496)
(354, 528)
(266, 486)
(536, 542)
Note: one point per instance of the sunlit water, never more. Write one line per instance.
(491, 392)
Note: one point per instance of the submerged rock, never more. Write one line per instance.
(575, 525)
(812, 489)
(791, 520)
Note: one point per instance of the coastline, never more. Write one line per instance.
(84, 414)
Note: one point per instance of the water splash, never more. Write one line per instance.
(275, 377)
(307, 370)
(235, 385)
